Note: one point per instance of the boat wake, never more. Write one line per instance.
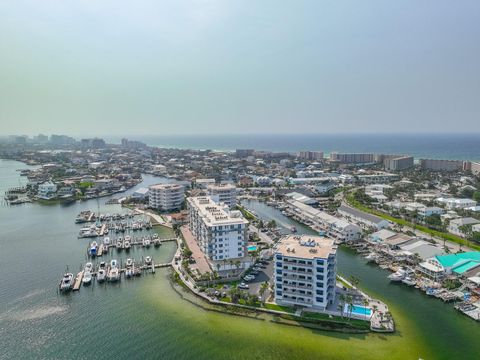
(35, 313)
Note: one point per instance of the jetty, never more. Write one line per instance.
(77, 282)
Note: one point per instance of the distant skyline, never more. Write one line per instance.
(132, 68)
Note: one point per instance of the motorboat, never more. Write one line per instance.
(87, 278)
(148, 260)
(106, 241)
(408, 281)
(399, 275)
(113, 273)
(371, 257)
(92, 251)
(101, 275)
(88, 267)
(119, 244)
(146, 242)
(157, 242)
(127, 245)
(66, 283)
(129, 268)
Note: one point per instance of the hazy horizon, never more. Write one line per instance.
(204, 67)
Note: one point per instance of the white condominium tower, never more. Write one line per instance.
(226, 193)
(220, 233)
(166, 197)
(305, 271)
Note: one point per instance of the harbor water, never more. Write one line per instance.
(148, 318)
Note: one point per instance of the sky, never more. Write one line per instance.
(118, 67)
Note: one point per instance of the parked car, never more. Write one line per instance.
(242, 286)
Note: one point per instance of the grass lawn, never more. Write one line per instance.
(276, 307)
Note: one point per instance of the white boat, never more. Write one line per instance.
(146, 242)
(371, 257)
(93, 250)
(398, 276)
(101, 275)
(126, 245)
(408, 281)
(148, 260)
(113, 273)
(88, 267)
(157, 242)
(129, 268)
(87, 278)
(106, 241)
(67, 282)
(119, 244)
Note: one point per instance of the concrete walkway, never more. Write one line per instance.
(201, 263)
(156, 217)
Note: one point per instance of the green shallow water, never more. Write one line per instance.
(147, 318)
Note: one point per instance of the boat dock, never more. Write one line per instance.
(77, 282)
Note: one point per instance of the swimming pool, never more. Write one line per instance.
(358, 310)
(252, 247)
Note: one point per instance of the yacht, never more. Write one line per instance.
(67, 282)
(408, 281)
(88, 267)
(146, 241)
(93, 249)
(148, 260)
(397, 276)
(129, 269)
(87, 278)
(127, 245)
(157, 242)
(119, 244)
(371, 257)
(101, 275)
(113, 273)
(106, 241)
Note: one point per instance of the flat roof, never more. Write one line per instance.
(306, 247)
(214, 214)
(360, 214)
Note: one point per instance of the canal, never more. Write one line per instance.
(147, 318)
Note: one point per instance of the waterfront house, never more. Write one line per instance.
(457, 264)
(47, 190)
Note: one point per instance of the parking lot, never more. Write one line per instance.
(265, 274)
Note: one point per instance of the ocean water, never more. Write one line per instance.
(435, 146)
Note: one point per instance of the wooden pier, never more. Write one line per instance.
(78, 281)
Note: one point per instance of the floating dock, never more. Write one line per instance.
(78, 281)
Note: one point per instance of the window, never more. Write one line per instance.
(319, 299)
(320, 270)
(320, 285)
(279, 292)
(319, 277)
(319, 292)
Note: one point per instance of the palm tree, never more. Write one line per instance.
(343, 298)
(350, 305)
(365, 303)
(263, 289)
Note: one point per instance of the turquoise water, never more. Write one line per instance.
(252, 247)
(359, 310)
